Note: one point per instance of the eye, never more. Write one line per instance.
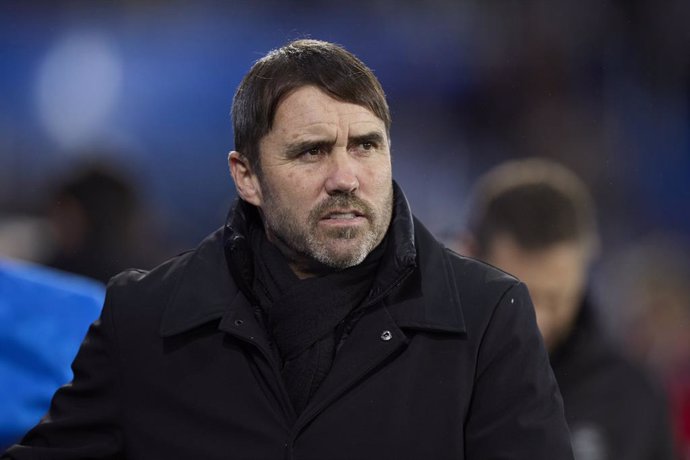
(366, 147)
(312, 153)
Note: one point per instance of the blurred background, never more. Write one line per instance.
(145, 88)
(129, 102)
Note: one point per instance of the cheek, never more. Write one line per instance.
(378, 177)
(288, 188)
(305, 181)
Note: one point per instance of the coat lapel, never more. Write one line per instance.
(371, 343)
(201, 290)
(427, 301)
(205, 291)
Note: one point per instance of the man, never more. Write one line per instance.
(535, 219)
(323, 320)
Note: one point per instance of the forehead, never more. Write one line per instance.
(308, 108)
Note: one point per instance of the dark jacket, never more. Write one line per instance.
(449, 364)
(614, 409)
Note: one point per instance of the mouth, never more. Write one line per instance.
(343, 215)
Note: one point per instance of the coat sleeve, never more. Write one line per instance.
(516, 410)
(83, 420)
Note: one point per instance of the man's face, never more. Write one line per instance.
(555, 277)
(325, 188)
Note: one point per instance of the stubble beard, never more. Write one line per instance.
(310, 242)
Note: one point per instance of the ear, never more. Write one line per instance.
(246, 180)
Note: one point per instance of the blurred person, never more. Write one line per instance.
(535, 219)
(655, 323)
(92, 213)
(44, 315)
(322, 321)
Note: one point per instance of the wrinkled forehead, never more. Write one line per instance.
(310, 108)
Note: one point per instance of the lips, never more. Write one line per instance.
(341, 210)
(343, 215)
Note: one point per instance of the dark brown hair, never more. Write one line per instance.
(536, 202)
(330, 67)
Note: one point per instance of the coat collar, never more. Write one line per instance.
(204, 289)
(429, 298)
(425, 298)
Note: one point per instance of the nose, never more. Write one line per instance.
(342, 174)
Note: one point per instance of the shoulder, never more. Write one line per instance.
(143, 294)
(483, 287)
(475, 277)
(470, 275)
(134, 282)
(480, 289)
(492, 298)
(163, 279)
(193, 283)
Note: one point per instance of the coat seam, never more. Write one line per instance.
(488, 325)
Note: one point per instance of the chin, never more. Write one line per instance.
(342, 259)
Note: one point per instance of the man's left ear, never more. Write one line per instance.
(246, 180)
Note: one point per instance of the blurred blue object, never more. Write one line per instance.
(44, 315)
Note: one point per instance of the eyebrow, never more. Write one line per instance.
(296, 148)
(373, 137)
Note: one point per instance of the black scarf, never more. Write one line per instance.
(306, 317)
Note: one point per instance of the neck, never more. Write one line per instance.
(301, 265)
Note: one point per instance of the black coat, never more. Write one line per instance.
(448, 365)
(615, 410)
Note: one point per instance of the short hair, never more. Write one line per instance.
(328, 66)
(536, 202)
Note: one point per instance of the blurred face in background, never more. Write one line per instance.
(325, 185)
(555, 276)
